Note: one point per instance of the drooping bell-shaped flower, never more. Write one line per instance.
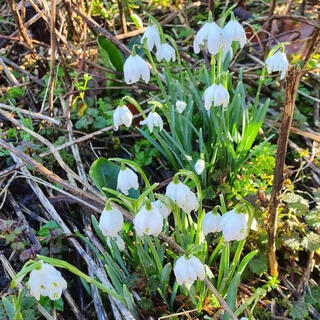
(180, 106)
(119, 242)
(278, 62)
(199, 166)
(153, 120)
(233, 31)
(211, 223)
(127, 179)
(210, 36)
(111, 221)
(148, 221)
(134, 68)
(164, 209)
(181, 194)
(233, 225)
(46, 281)
(187, 270)
(152, 37)
(217, 94)
(122, 115)
(166, 51)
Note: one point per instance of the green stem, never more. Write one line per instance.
(260, 83)
(156, 74)
(216, 250)
(213, 69)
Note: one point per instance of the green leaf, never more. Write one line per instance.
(104, 173)
(137, 21)
(58, 304)
(259, 264)
(311, 241)
(299, 310)
(45, 229)
(296, 203)
(9, 307)
(111, 56)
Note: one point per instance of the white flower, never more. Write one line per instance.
(199, 166)
(210, 223)
(180, 106)
(46, 281)
(278, 62)
(165, 51)
(148, 221)
(233, 225)
(153, 120)
(119, 242)
(164, 209)
(152, 36)
(218, 94)
(209, 35)
(122, 115)
(225, 51)
(180, 194)
(254, 223)
(134, 68)
(127, 179)
(111, 222)
(233, 31)
(188, 270)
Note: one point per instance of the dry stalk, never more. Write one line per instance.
(292, 81)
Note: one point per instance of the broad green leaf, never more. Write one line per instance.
(104, 173)
(311, 241)
(111, 56)
(296, 203)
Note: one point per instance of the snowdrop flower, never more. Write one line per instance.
(180, 106)
(211, 223)
(152, 37)
(199, 166)
(218, 94)
(233, 225)
(119, 242)
(127, 179)
(153, 120)
(233, 31)
(122, 115)
(254, 223)
(187, 270)
(148, 221)
(164, 209)
(46, 281)
(111, 221)
(134, 68)
(184, 198)
(166, 51)
(278, 62)
(210, 35)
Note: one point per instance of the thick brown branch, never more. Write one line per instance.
(292, 81)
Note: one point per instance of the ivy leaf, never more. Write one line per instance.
(299, 310)
(296, 203)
